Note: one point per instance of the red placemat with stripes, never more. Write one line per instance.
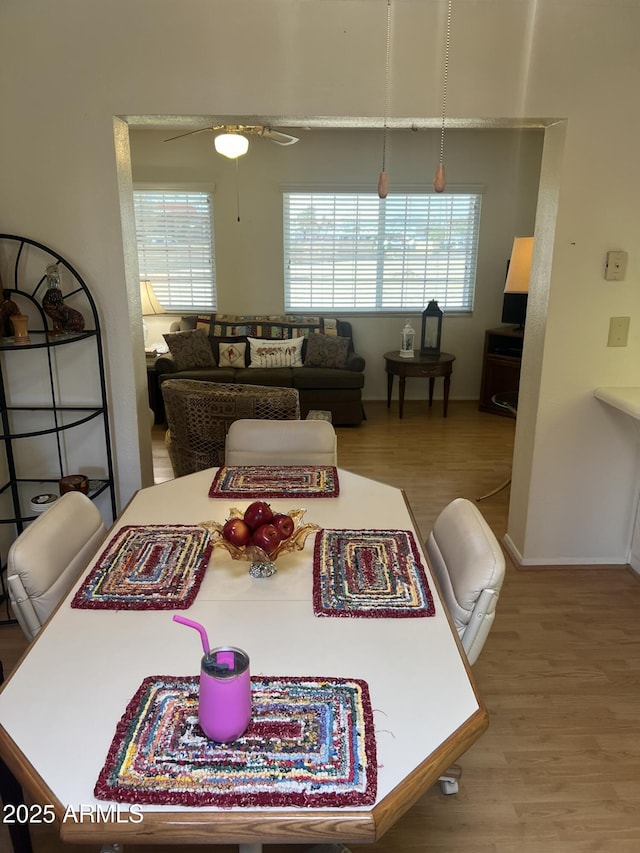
(369, 573)
(148, 567)
(310, 743)
(275, 481)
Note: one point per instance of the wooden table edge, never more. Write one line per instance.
(281, 827)
(314, 826)
(29, 779)
(228, 827)
(388, 811)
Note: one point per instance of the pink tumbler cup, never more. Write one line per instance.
(224, 707)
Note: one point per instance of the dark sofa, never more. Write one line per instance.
(332, 382)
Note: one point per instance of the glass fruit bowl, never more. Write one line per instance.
(262, 561)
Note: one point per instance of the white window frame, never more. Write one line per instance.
(381, 269)
(176, 254)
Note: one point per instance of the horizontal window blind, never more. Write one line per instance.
(352, 251)
(174, 231)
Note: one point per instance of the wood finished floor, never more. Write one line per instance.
(558, 771)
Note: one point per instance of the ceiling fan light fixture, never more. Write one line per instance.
(231, 145)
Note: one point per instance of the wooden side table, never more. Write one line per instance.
(500, 367)
(429, 366)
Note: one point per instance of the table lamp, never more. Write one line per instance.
(149, 304)
(519, 266)
(516, 288)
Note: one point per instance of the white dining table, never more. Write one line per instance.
(60, 707)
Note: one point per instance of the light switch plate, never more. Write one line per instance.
(618, 331)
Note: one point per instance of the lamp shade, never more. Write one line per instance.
(231, 145)
(148, 299)
(519, 266)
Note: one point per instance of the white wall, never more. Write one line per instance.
(505, 164)
(67, 68)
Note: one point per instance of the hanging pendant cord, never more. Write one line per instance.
(382, 178)
(445, 78)
(237, 189)
(440, 180)
(386, 87)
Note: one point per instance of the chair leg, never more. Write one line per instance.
(449, 780)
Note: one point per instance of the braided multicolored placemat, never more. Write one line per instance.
(310, 743)
(275, 481)
(148, 567)
(369, 573)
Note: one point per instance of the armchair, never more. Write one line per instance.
(199, 415)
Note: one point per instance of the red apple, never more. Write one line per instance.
(266, 537)
(284, 523)
(237, 532)
(257, 514)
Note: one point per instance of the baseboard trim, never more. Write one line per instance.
(574, 562)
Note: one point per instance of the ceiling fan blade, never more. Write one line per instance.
(191, 132)
(278, 136)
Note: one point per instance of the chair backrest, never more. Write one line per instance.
(469, 564)
(48, 556)
(199, 415)
(255, 442)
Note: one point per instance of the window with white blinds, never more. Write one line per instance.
(355, 252)
(174, 230)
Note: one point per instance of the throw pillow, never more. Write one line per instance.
(215, 346)
(326, 351)
(231, 355)
(267, 353)
(190, 349)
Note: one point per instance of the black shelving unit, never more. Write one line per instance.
(40, 417)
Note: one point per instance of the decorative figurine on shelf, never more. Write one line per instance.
(65, 319)
(406, 341)
(8, 309)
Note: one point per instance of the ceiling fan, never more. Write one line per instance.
(232, 140)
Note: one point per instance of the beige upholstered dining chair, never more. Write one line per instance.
(48, 556)
(199, 415)
(254, 442)
(469, 566)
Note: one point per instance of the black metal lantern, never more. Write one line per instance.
(431, 329)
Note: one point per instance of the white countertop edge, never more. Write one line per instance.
(627, 400)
